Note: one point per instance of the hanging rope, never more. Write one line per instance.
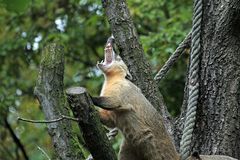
(185, 144)
(173, 58)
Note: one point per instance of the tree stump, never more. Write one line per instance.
(89, 123)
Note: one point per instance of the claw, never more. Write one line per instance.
(112, 133)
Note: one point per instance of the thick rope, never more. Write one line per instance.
(185, 144)
(173, 58)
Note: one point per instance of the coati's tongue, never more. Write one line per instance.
(109, 54)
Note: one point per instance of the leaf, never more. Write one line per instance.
(17, 6)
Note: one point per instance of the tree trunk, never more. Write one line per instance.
(49, 91)
(218, 115)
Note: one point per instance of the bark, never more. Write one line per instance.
(49, 91)
(132, 53)
(89, 122)
(218, 115)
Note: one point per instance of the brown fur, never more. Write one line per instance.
(145, 137)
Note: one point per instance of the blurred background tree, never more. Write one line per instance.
(81, 27)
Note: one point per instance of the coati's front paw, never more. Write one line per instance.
(112, 133)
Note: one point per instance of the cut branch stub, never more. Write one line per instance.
(89, 123)
(79, 102)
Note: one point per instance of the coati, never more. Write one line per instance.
(125, 107)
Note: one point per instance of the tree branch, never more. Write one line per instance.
(49, 91)
(62, 117)
(15, 139)
(89, 122)
(44, 153)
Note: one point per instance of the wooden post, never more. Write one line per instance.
(89, 123)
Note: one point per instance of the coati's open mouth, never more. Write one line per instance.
(109, 52)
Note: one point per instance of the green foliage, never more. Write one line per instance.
(81, 27)
(16, 5)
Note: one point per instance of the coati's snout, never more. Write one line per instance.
(112, 63)
(109, 55)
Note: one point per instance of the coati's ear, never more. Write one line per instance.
(129, 76)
